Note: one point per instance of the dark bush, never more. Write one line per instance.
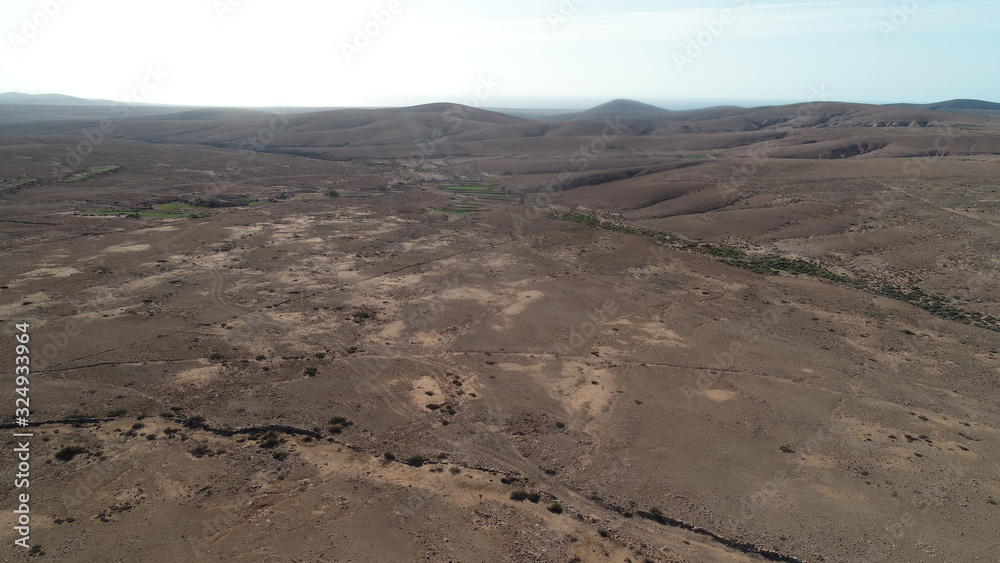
(270, 440)
(657, 515)
(196, 421)
(519, 495)
(69, 452)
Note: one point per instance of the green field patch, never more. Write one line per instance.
(474, 189)
(477, 191)
(477, 199)
(494, 197)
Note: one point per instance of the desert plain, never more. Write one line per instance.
(442, 333)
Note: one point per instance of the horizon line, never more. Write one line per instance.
(687, 102)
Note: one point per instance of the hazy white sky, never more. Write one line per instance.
(516, 52)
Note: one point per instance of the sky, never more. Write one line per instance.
(515, 53)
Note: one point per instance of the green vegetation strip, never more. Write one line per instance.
(591, 221)
(937, 305)
(23, 182)
(453, 211)
(13, 186)
(250, 202)
(175, 206)
(940, 306)
(771, 265)
(93, 172)
(137, 214)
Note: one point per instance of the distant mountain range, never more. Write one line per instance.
(442, 130)
(967, 107)
(622, 108)
(48, 100)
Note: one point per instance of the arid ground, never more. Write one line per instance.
(453, 335)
